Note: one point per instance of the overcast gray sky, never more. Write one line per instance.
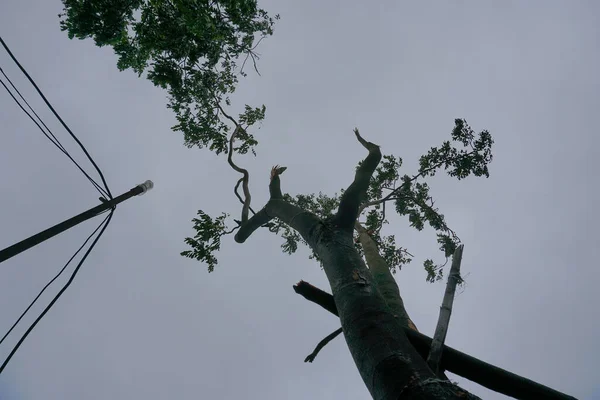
(142, 322)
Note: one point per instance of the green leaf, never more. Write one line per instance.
(207, 240)
(190, 48)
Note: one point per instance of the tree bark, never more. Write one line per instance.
(439, 337)
(459, 363)
(387, 285)
(390, 366)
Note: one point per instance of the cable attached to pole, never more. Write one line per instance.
(38, 238)
(52, 281)
(55, 299)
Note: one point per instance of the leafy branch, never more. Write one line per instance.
(187, 47)
(409, 195)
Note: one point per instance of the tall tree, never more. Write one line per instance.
(196, 50)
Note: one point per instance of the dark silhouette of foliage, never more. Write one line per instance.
(190, 48)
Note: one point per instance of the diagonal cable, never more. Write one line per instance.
(55, 299)
(51, 281)
(48, 134)
(57, 116)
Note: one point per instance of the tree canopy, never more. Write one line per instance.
(196, 51)
(465, 154)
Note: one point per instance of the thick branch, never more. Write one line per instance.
(316, 295)
(352, 198)
(253, 55)
(437, 344)
(256, 221)
(304, 222)
(386, 284)
(487, 375)
(275, 182)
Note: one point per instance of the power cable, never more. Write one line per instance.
(51, 281)
(56, 115)
(54, 139)
(39, 318)
(48, 134)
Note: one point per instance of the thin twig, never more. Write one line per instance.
(415, 177)
(311, 357)
(253, 55)
(244, 172)
(235, 190)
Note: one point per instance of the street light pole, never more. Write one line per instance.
(36, 239)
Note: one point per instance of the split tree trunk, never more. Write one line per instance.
(390, 366)
(387, 285)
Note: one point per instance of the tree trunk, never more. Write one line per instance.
(461, 364)
(387, 285)
(389, 365)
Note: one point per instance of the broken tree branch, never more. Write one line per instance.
(352, 198)
(386, 284)
(439, 337)
(297, 218)
(461, 364)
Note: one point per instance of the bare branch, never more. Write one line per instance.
(311, 357)
(235, 191)
(244, 172)
(253, 55)
(231, 230)
(316, 295)
(378, 231)
(275, 182)
(352, 198)
(376, 202)
(437, 344)
(297, 218)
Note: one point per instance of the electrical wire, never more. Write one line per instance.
(51, 281)
(57, 116)
(104, 224)
(54, 139)
(48, 134)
